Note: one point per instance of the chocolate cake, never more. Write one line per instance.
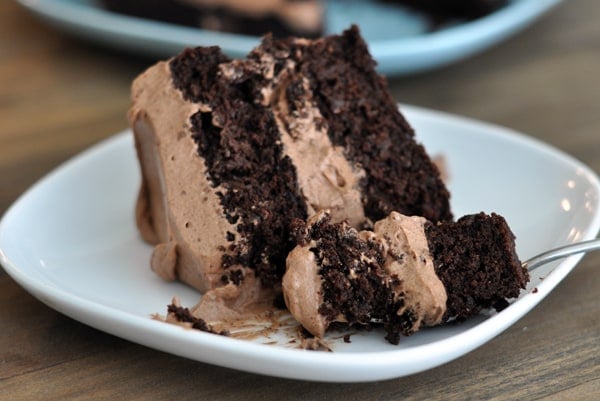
(304, 18)
(444, 10)
(257, 17)
(233, 151)
(406, 273)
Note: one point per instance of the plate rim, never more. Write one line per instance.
(360, 366)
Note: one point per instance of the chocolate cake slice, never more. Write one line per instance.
(257, 17)
(406, 273)
(232, 151)
(281, 18)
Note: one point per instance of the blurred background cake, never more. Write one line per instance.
(303, 18)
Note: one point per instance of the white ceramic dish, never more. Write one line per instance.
(70, 241)
(398, 40)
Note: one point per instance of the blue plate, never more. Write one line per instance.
(398, 39)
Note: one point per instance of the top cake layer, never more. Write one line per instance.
(233, 150)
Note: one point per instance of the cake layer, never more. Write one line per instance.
(405, 274)
(475, 257)
(233, 151)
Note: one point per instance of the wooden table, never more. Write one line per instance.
(59, 95)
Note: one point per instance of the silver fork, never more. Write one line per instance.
(561, 252)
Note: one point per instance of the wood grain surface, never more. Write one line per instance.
(59, 95)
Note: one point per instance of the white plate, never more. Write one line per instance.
(71, 241)
(398, 39)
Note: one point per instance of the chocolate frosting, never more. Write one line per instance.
(408, 266)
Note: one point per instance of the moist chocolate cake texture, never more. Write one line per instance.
(475, 258)
(236, 155)
(406, 273)
(252, 144)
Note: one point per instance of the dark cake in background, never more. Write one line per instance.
(441, 11)
(301, 18)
